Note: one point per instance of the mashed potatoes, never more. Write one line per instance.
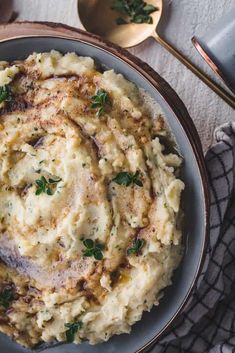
(89, 202)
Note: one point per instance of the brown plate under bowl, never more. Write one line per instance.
(17, 41)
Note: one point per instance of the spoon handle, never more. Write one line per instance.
(229, 99)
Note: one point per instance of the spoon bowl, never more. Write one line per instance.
(99, 17)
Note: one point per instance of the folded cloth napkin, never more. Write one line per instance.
(207, 324)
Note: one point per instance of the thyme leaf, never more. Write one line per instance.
(136, 11)
(125, 178)
(44, 186)
(93, 249)
(72, 329)
(5, 94)
(100, 101)
(136, 247)
(6, 296)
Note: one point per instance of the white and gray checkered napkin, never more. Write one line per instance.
(207, 324)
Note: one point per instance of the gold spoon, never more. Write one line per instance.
(97, 17)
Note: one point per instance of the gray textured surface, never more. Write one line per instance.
(219, 44)
(182, 19)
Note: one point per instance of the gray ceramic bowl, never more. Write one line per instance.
(153, 324)
(217, 47)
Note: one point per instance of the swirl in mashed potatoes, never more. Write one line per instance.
(89, 201)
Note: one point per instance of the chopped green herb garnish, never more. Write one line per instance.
(121, 21)
(93, 249)
(136, 247)
(125, 178)
(6, 296)
(5, 94)
(137, 11)
(44, 186)
(72, 329)
(100, 101)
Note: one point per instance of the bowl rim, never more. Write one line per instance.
(208, 57)
(178, 110)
